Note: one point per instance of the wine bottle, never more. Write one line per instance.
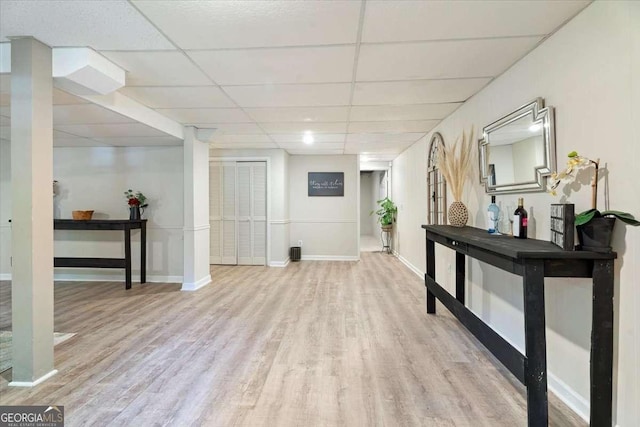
(520, 221)
(493, 213)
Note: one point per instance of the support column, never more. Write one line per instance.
(32, 211)
(196, 212)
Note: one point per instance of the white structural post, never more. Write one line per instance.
(32, 211)
(196, 212)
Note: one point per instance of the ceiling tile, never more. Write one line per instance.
(281, 65)
(240, 138)
(376, 147)
(393, 126)
(239, 24)
(311, 147)
(299, 114)
(179, 97)
(158, 69)
(402, 112)
(320, 138)
(232, 128)
(102, 25)
(206, 115)
(438, 20)
(316, 152)
(85, 114)
(301, 127)
(141, 141)
(110, 130)
(445, 59)
(332, 94)
(384, 137)
(242, 145)
(417, 91)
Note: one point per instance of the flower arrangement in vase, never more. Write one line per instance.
(455, 166)
(137, 202)
(595, 228)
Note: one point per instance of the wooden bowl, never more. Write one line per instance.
(82, 215)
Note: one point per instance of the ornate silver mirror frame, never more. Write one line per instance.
(518, 151)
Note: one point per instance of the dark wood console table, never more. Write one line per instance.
(533, 260)
(108, 224)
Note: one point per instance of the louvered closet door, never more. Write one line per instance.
(215, 212)
(252, 213)
(229, 219)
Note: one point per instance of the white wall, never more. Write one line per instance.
(96, 178)
(367, 203)
(278, 194)
(328, 226)
(590, 72)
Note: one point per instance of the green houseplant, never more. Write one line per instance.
(386, 213)
(595, 228)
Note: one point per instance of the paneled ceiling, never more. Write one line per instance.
(367, 77)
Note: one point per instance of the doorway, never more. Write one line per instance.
(238, 212)
(374, 186)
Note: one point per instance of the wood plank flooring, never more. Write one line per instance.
(313, 344)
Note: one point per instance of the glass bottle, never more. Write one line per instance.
(493, 214)
(520, 221)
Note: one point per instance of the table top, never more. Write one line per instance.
(97, 224)
(511, 247)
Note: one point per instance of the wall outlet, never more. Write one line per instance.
(300, 243)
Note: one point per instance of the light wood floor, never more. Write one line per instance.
(313, 344)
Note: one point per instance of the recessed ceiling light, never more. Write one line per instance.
(535, 127)
(308, 137)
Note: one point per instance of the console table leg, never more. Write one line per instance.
(535, 344)
(431, 272)
(127, 257)
(460, 276)
(143, 252)
(602, 343)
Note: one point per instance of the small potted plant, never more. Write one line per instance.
(136, 201)
(595, 228)
(386, 213)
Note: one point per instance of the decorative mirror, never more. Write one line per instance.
(518, 151)
(436, 185)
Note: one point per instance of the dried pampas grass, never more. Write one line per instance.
(455, 164)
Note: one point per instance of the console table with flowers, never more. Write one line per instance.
(125, 225)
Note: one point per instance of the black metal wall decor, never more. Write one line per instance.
(562, 225)
(326, 184)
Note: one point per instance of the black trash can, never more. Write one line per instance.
(295, 253)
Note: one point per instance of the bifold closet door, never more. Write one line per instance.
(252, 212)
(222, 212)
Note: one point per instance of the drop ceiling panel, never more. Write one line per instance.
(317, 152)
(301, 127)
(206, 115)
(393, 126)
(179, 97)
(141, 141)
(241, 138)
(240, 24)
(232, 128)
(102, 25)
(436, 60)
(417, 91)
(332, 94)
(320, 138)
(242, 145)
(384, 137)
(158, 69)
(439, 20)
(299, 114)
(110, 130)
(311, 147)
(402, 112)
(280, 65)
(376, 147)
(85, 114)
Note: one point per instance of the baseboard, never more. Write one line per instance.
(197, 285)
(411, 267)
(280, 264)
(106, 278)
(33, 383)
(573, 400)
(329, 258)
